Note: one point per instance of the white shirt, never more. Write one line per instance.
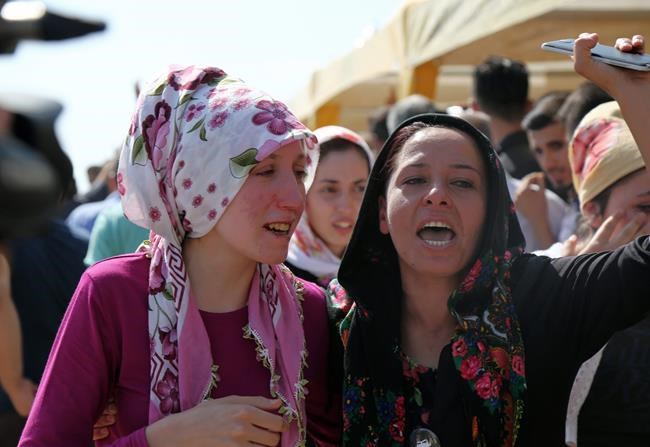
(561, 217)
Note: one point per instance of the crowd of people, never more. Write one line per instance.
(445, 279)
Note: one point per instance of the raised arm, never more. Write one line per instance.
(630, 88)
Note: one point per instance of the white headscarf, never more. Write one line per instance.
(194, 137)
(306, 250)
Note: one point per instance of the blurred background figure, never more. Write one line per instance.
(30, 120)
(549, 143)
(40, 258)
(378, 128)
(611, 181)
(541, 212)
(406, 108)
(45, 265)
(32, 21)
(335, 186)
(501, 91)
(92, 172)
(103, 194)
(113, 234)
(579, 102)
(613, 187)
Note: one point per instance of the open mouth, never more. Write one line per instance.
(436, 234)
(278, 228)
(342, 224)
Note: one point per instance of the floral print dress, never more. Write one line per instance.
(420, 383)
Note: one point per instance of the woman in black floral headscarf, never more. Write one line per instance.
(453, 331)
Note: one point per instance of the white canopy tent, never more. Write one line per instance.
(430, 47)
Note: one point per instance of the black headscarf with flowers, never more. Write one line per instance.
(487, 347)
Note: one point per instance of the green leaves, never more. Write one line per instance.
(198, 124)
(168, 294)
(186, 97)
(202, 132)
(242, 163)
(138, 154)
(417, 395)
(158, 91)
(229, 80)
(216, 81)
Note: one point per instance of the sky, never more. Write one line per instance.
(273, 45)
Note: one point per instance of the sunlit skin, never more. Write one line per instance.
(438, 177)
(273, 195)
(550, 147)
(334, 199)
(631, 196)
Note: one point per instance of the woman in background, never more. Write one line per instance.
(335, 187)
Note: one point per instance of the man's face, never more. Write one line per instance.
(549, 145)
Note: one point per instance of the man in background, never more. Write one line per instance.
(501, 92)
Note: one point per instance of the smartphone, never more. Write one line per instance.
(603, 53)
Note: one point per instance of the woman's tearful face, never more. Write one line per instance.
(435, 202)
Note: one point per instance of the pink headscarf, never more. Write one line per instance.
(602, 151)
(194, 137)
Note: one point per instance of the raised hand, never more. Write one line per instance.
(630, 88)
(530, 201)
(613, 80)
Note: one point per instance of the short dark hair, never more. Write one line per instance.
(584, 98)
(408, 107)
(501, 88)
(377, 123)
(544, 112)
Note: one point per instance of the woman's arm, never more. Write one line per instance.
(630, 88)
(570, 307)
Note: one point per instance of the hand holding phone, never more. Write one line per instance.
(603, 53)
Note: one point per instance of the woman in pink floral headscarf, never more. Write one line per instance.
(205, 313)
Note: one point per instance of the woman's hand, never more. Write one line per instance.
(229, 421)
(630, 88)
(618, 82)
(616, 231)
(103, 425)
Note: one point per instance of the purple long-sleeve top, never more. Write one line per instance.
(102, 350)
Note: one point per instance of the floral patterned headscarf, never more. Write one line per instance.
(307, 251)
(487, 348)
(602, 151)
(195, 135)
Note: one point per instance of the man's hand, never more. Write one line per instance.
(530, 201)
